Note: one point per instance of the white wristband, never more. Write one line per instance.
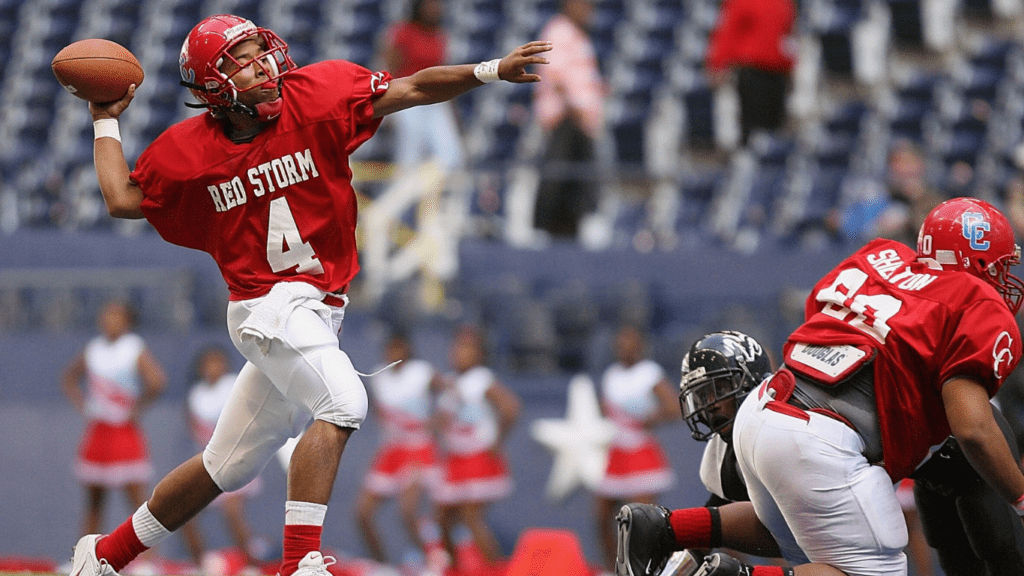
(487, 71)
(106, 128)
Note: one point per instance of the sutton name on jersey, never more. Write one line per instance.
(284, 171)
(888, 261)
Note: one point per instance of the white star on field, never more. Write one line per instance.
(579, 442)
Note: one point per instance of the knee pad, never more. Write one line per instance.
(227, 474)
(342, 401)
(232, 467)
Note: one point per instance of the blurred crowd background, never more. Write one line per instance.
(681, 212)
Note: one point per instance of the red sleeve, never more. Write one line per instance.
(367, 87)
(162, 202)
(985, 345)
(340, 93)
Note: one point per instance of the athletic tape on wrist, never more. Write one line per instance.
(487, 71)
(106, 128)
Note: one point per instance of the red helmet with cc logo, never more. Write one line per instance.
(974, 236)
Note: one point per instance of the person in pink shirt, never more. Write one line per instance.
(569, 106)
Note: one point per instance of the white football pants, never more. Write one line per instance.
(815, 491)
(303, 375)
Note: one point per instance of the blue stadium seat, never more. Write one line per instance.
(847, 120)
(697, 190)
(835, 36)
(699, 103)
(983, 83)
(826, 186)
(768, 186)
(993, 53)
(907, 30)
(908, 120)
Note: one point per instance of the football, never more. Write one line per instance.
(97, 70)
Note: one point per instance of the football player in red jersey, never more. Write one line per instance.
(262, 183)
(898, 350)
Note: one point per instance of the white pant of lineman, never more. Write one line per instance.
(302, 375)
(816, 493)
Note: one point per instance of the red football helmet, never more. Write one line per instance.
(207, 47)
(974, 236)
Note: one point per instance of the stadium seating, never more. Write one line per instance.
(968, 112)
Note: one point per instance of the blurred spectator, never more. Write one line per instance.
(752, 37)
(422, 132)
(569, 105)
(402, 399)
(206, 400)
(1014, 201)
(636, 396)
(475, 413)
(894, 210)
(122, 378)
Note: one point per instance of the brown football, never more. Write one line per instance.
(97, 70)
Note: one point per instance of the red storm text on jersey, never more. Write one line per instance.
(924, 325)
(278, 208)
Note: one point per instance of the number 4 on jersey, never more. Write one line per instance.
(285, 248)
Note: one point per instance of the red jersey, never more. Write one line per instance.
(924, 325)
(280, 207)
(753, 33)
(419, 47)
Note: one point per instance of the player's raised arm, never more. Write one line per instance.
(122, 196)
(441, 83)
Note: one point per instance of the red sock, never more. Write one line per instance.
(770, 571)
(692, 527)
(120, 547)
(299, 540)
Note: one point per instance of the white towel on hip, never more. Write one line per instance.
(267, 319)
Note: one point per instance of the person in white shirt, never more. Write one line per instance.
(206, 399)
(636, 396)
(111, 382)
(402, 398)
(476, 412)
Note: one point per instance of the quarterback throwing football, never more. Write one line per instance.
(262, 183)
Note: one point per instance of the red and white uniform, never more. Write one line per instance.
(205, 403)
(809, 481)
(636, 462)
(472, 470)
(406, 454)
(280, 208)
(278, 215)
(113, 452)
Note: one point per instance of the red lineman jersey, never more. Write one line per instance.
(923, 325)
(280, 207)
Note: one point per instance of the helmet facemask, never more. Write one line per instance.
(1009, 286)
(274, 62)
(705, 399)
(203, 73)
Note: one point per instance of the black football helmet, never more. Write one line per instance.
(719, 367)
